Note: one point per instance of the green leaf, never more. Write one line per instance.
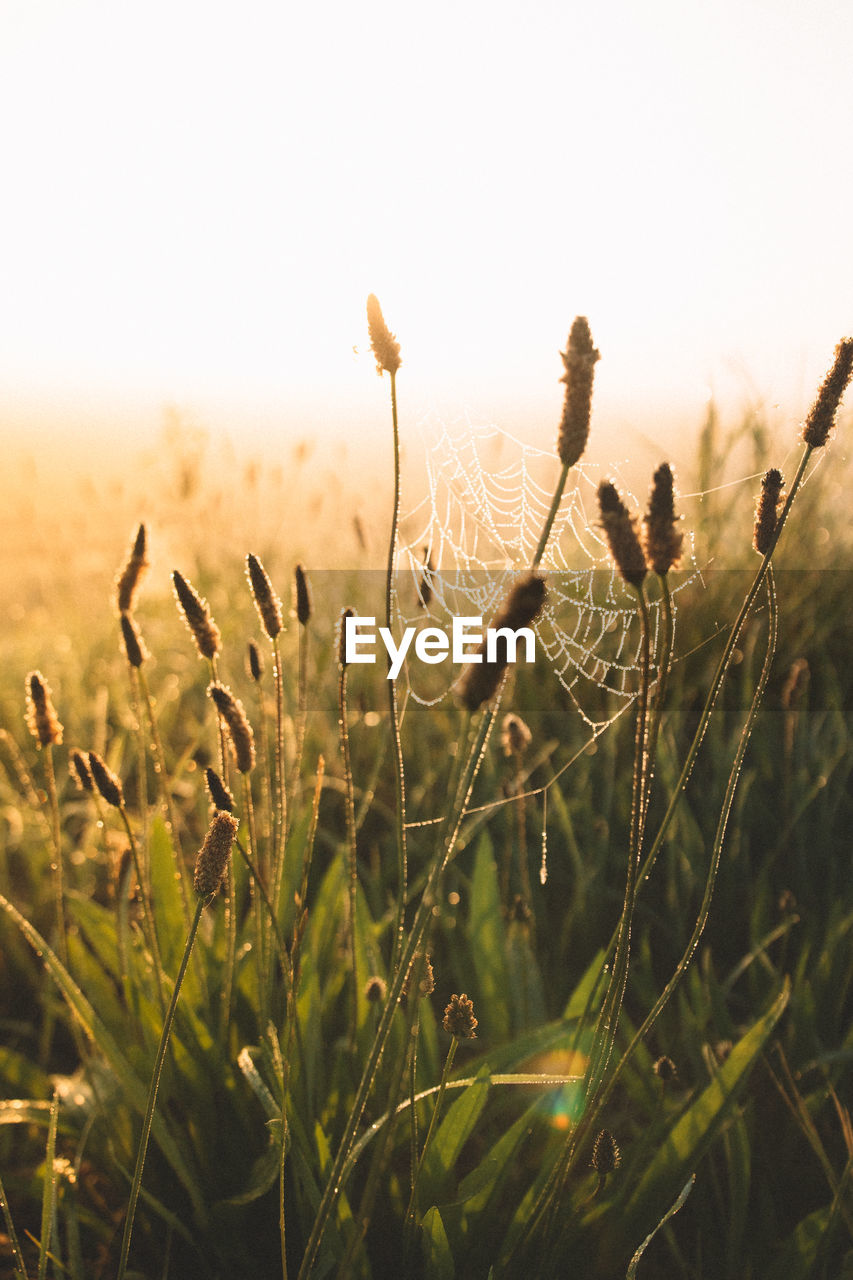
(170, 918)
(136, 1091)
(680, 1152)
(453, 1132)
(17, 1256)
(438, 1260)
(48, 1200)
(673, 1209)
(488, 945)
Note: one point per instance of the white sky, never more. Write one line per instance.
(197, 198)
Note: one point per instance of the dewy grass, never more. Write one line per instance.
(509, 1187)
(210, 868)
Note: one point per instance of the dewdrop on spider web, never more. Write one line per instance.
(543, 865)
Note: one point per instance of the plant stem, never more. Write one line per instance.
(152, 1094)
(550, 518)
(56, 838)
(396, 743)
(412, 1209)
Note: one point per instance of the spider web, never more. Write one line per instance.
(486, 499)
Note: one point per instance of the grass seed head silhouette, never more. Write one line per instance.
(662, 539)
(620, 529)
(579, 360)
(385, 346)
(42, 720)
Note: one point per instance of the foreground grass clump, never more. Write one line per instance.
(284, 994)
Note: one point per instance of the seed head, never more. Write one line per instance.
(237, 722)
(133, 645)
(479, 681)
(196, 612)
(80, 771)
(267, 602)
(821, 418)
(214, 854)
(256, 662)
(386, 348)
(515, 735)
(220, 796)
(426, 985)
(106, 781)
(42, 720)
(579, 360)
(606, 1156)
(303, 596)
(662, 540)
(459, 1018)
(665, 1069)
(620, 529)
(767, 511)
(374, 990)
(127, 583)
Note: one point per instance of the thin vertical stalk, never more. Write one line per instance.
(280, 817)
(352, 876)
(152, 1094)
(163, 784)
(396, 742)
(550, 518)
(411, 1211)
(148, 926)
(56, 839)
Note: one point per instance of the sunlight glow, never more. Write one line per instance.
(200, 201)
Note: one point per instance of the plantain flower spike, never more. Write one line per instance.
(821, 418)
(620, 529)
(579, 360)
(385, 346)
(767, 511)
(214, 854)
(42, 720)
(662, 540)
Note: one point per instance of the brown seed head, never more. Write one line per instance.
(42, 720)
(426, 985)
(515, 735)
(479, 681)
(127, 583)
(80, 771)
(196, 611)
(821, 418)
(220, 796)
(386, 348)
(267, 602)
(459, 1018)
(620, 529)
(342, 651)
(606, 1156)
(256, 662)
(303, 596)
(374, 990)
(214, 854)
(579, 360)
(665, 1069)
(133, 645)
(237, 722)
(767, 511)
(106, 781)
(662, 540)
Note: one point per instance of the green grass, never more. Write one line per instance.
(279, 1072)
